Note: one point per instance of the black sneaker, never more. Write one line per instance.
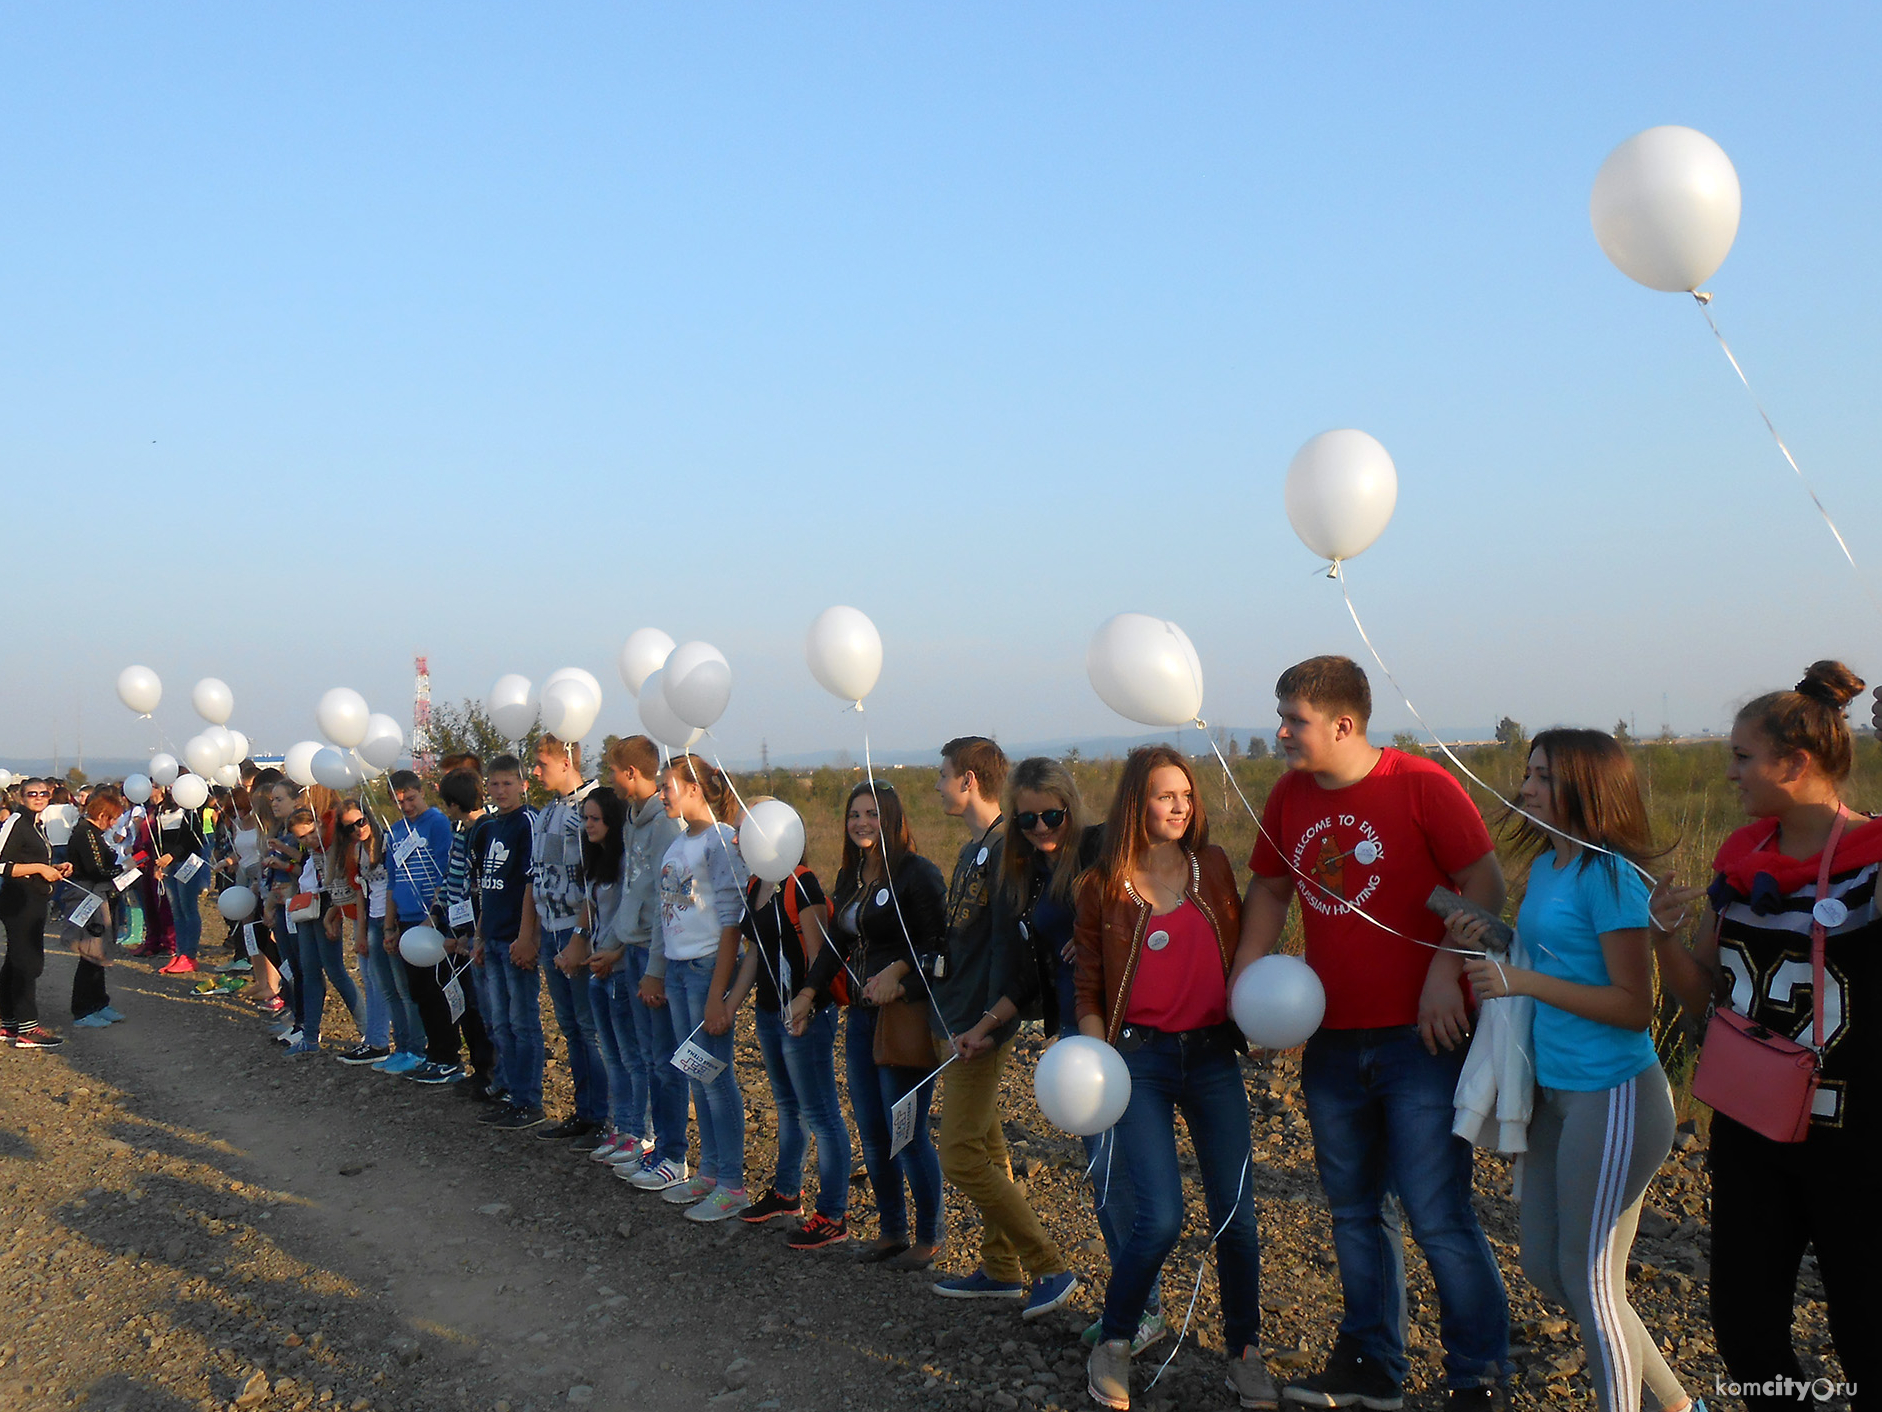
(363, 1054)
(1487, 1399)
(818, 1232)
(1350, 1379)
(771, 1205)
(437, 1074)
(516, 1119)
(8, 1032)
(587, 1142)
(569, 1129)
(496, 1113)
(35, 1036)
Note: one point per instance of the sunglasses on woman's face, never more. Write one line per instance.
(1029, 821)
(38, 793)
(355, 823)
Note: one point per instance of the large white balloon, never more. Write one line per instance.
(580, 674)
(335, 768)
(1147, 669)
(224, 740)
(228, 776)
(569, 709)
(697, 682)
(384, 742)
(421, 946)
(139, 688)
(202, 754)
(645, 652)
(213, 700)
(191, 791)
(238, 747)
(136, 788)
(845, 652)
(658, 717)
(1278, 1002)
(298, 764)
(164, 769)
(511, 706)
(1082, 1085)
(1341, 490)
(1665, 207)
(342, 716)
(236, 904)
(771, 839)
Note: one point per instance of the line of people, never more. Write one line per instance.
(629, 903)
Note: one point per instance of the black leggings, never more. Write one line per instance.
(434, 1012)
(88, 989)
(26, 959)
(1769, 1201)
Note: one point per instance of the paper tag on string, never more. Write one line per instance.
(696, 1063)
(460, 914)
(407, 846)
(287, 971)
(902, 1121)
(127, 878)
(192, 865)
(86, 909)
(454, 997)
(248, 939)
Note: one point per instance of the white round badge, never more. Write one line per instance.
(1158, 940)
(1830, 912)
(1366, 852)
(882, 897)
(981, 860)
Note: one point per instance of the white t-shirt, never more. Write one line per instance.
(59, 820)
(702, 891)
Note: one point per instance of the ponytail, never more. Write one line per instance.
(1809, 717)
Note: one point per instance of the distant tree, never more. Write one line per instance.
(467, 728)
(75, 777)
(1511, 735)
(1072, 757)
(1257, 747)
(1235, 749)
(1621, 733)
(1407, 741)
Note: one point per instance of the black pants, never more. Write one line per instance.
(268, 940)
(434, 1012)
(88, 989)
(1769, 1201)
(26, 959)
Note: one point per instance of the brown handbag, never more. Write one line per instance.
(903, 1039)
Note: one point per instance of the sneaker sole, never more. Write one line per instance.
(713, 1217)
(980, 1293)
(1122, 1404)
(691, 1198)
(361, 1059)
(752, 1220)
(1258, 1404)
(1306, 1397)
(837, 1239)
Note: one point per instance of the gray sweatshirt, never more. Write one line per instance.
(637, 921)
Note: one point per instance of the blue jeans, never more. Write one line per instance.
(1115, 1196)
(481, 982)
(720, 1105)
(388, 974)
(1381, 1109)
(612, 999)
(317, 957)
(666, 1085)
(1201, 1076)
(873, 1091)
(377, 1030)
(802, 1070)
(288, 947)
(575, 1017)
(184, 909)
(514, 1019)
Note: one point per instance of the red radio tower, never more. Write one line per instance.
(421, 715)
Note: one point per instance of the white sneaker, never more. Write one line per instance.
(689, 1193)
(610, 1145)
(629, 1158)
(658, 1177)
(718, 1204)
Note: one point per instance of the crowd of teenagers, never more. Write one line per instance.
(625, 896)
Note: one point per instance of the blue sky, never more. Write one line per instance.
(333, 335)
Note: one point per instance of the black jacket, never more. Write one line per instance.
(1025, 962)
(26, 843)
(918, 902)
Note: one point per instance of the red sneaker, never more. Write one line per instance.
(181, 966)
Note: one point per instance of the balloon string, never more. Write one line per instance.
(1704, 302)
(882, 848)
(1202, 1265)
(1340, 574)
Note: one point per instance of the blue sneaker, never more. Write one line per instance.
(1049, 1293)
(304, 1048)
(403, 1062)
(111, 1014)
(94, 1021)
(979, 1285)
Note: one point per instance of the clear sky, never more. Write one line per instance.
(331, 334)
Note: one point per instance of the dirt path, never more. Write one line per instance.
(193, 1221)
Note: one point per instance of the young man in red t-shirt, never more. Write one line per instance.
(1353, 826)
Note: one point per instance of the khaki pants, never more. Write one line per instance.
(973, 1158)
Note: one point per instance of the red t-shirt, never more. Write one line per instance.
(1381, 844)
(1179, 984)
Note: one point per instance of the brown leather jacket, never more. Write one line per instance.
(1109, 933)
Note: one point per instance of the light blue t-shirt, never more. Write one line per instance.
(1563, 915)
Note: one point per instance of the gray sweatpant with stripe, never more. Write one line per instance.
(1590, 1158)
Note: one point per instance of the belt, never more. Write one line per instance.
(1133, 1037)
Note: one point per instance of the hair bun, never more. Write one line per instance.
(1831, 683)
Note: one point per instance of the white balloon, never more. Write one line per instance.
(6, 779)
(1082, 1085)
(658, 718)
(697, 682)
(384, 742)
(213, 700)
(298, 764)
(139, 688)
(238, 750)
(421, 946)
(136, 788)
(342, 715)
(191, 791)
(1665, 207)
(333, 767)
(228, 776)
(1278, 1002)
(224, 740)
(580, 674)
(236, 904)
(1147, 669)
(845, 652)
(202, 755)
(569, 709)
(645, 653)
(511, 706)
(1341, 490)
(163, 769)
(771, 839)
